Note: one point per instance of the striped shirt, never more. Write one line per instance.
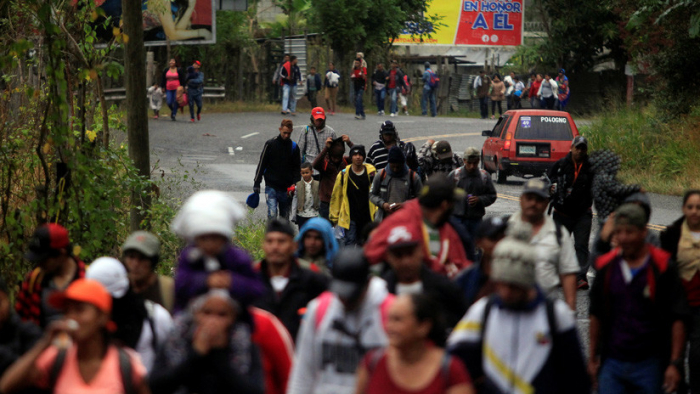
(378, 154)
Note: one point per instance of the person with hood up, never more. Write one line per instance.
(210, 261)
(339, 327)
(142, 325)
(210, 351)
(378, 154)
(329, 163)
(429, 216)
(608, 192)
(317, 245)
(518, 340)
(288, 287)
(394, 185)
(350, 207)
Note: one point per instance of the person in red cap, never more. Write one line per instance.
(55, 268)
(195, 88)
(313, 138)
(84, 361)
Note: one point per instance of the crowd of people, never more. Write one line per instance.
(542, 90)
(393, 280)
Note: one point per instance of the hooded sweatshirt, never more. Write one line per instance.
(330, 245)
(332, 341)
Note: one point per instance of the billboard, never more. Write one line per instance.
(180, 21)
(471, 22)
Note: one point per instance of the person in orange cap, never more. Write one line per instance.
(75, 354)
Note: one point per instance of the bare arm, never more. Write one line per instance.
(568, 284)
(463, 388)
(180, 30)
(593, 356)
(23, 372)
(362, 380)
(672, 376)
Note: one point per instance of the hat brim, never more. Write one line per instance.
(539, 193)
(443, 156)
(139, 248)
(403, 244)
(346, 290)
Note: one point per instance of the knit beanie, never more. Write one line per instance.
(207, 212)
(358, 149)
(514, 258)
(396, 155)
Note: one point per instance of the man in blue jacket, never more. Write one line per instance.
(195, 88)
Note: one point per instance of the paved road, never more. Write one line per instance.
(225, 149)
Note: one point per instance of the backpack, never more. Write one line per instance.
(406, 89)
(324, 301)
(484, 175)
(125, 370)
(411, 174)
(306, 142)
(434, 80)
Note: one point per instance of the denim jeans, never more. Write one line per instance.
(171, 99)
(534, 103)
(359, 106)
(621, 377)
(289, 101)
(275, 198)
(195, 97)
(428, 95)
(580, 227)
(547, 102)
(350, 238)
(484, 107)
(380, 95)
(393, 95)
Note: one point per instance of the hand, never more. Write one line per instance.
(329, 141)
(397, 206)
(58, 328)
(256, 189)
(386, 207)
(345, 138)
(210, 334)
(473, 200)
(593, 368)
(608, 227)
(219, 280)
(430, 142)
(671, 379)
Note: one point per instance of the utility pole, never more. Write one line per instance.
(136, 115)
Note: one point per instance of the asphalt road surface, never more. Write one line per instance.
(225, 148)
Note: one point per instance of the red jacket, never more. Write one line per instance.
(451, 258)
(276, 347)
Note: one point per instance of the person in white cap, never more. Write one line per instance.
(141, 324)
(210, 261)
(517, 340)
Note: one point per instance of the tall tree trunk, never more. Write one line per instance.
(137, 118)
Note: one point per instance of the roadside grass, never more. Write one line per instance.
(249, 235)
(661, 157)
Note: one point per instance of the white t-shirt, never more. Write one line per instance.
(413, 288)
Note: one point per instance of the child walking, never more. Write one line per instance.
(306, 199)
(155, 97)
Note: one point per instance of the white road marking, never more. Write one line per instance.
(249, 135)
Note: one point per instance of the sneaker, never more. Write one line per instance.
(582, 284)
(379, 113)
(393, 114)
(332, 113)
(363, 117)
(199, 117)
(292, 113)
(357, 117)
(173, 118)
(283, 113)
(155, 117)
(192, 120)
(405, 113)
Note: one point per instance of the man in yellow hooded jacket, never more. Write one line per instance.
(350, 208)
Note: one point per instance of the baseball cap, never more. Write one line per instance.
(562, 71)
(631, 214)
(579, 140)
(46, 241)
(492, 227)
(88, 291)
(318, 113)
(253, 200)
(387, 128)
(350, 272)
(472, 153)
(402, 236)
(537, 186)
(442, 150)
(197, 62)
(144, 242)
(439, 188)
(111, 273)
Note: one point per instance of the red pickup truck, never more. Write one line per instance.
(527, 142)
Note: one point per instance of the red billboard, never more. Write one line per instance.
(491, 23)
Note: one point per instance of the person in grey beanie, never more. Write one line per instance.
(394, 185)
(517, 335)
